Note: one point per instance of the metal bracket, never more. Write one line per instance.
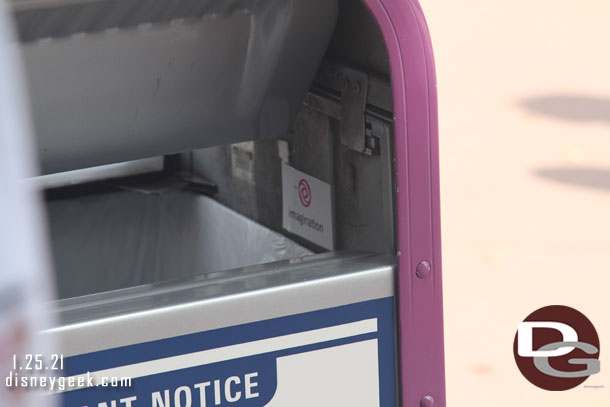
(353, 104)
(354, 98)
(372, 132)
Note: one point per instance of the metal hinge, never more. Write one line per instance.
(355, 132)
(354, 98)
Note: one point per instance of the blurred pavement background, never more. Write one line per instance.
(524, 94)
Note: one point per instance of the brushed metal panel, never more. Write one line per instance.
(156, 88)
(221, 299)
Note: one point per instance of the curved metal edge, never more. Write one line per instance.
(233, 297)
(420, 302)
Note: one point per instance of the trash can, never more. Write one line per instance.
(242, 200)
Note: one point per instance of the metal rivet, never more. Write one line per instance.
(423, 270)
(345, 84)
(426, 401)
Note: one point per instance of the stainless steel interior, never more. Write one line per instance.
(118, 239)
(248, 174)
(218, 95)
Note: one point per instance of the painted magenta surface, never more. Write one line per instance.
(420, 306)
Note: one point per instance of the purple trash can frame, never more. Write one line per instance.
(420, 302)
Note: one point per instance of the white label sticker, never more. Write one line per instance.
(307, 207)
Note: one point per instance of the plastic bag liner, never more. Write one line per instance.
(110, 241)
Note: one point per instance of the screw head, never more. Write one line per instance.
(423, 270)
(426, 401)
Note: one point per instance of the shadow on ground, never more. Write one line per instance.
(598, 178)
(570, 107)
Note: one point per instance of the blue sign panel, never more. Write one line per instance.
(343, 356)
